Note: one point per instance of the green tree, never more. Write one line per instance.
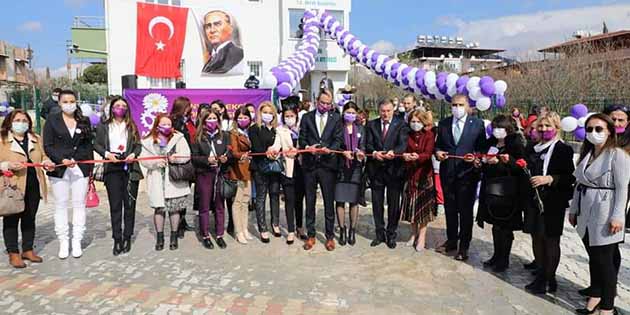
(96, 73)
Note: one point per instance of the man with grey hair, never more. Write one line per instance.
(223, 53)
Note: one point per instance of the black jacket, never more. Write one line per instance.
(507, 217)
(228, 57)
(332, 138)
(472, 140)
(50, 107)
(201, 151)
(555, 197)
(395, 140)
(101, 145)
(59, 145)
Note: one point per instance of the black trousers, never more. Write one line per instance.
(267, 185)
(393, 188)
(604, 271)
(547, 254)
(326, 179)
(502, 240)
(298, 187)
(122, 194)
(459, 201)
(26, 221)
(289, 187)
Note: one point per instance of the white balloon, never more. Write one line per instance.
(472, 82)
(451, 79)
(582, 121)
(86, 110)
(411, 76)
(451, 91)
(569, 124)
(269, 80)
(474, 93)
(483, 103)
(500, 87)
(401, 68)
(388, 66)
(430, 79)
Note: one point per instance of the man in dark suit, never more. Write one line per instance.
(386, 137)
(51, 105)
(322, 129)
(224, 54)
(459, 135)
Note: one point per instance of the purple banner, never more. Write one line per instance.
(146, 103)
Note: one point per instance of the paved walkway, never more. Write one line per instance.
(279, 279)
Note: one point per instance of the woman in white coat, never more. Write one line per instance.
(165, 196)
(284, 142)
(598, 208)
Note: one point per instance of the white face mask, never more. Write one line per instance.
(416, 126)
(401, 109)
(55, 98)
(19, 127)
(69, 108)
(499, 133)
(596, 138)
(290, 122)
(458, 111)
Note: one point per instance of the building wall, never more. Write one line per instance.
(265, 37)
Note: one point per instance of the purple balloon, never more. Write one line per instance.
(485, 80)
(405, 81)
(501, 101)
(281, 76)
(330, 23)
(441, 82)
(284, 90)
(94, 119)
(462, 81)
(579, 110)
(406, 72)
(489, 130)
(448, 98)
(462, 90)
(351, 42)
(420, 77)
(397, 83)
(472, 102)
(374, 57)
(347, 97)
(487, 88)
(580, 133)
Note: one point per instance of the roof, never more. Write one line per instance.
(614, 36)
(445, 50)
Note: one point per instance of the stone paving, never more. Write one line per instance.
(279, 279)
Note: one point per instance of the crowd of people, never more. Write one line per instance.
(523, 176)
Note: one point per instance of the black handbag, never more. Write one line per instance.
(268, 167)
(228, 188)
(181, 172)
(501, 196)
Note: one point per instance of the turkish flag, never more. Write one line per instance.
(160, 34)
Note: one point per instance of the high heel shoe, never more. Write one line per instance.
(264, 238)
(159, 243)
(342, 236)
(290, 238)
(275, 232)
(586, 311)
(352, 237)
(207, 243)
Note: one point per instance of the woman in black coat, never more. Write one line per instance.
(551, 164)
(503, 186)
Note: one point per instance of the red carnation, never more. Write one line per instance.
(521, 163)
(7, 173)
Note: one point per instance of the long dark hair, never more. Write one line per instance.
(503, 121)
(8, 122)
(588, 147)
(78, 113)
(241, 111)
(131, 126)
(180, 108)
(223, 108)
(201, 134)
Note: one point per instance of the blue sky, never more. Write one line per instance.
(520, 26)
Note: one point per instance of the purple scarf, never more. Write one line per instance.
(351, 141)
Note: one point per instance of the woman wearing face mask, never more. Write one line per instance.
(285, 144)
(519, 120)
(550, 162)
(180, 116)
(220, 108)
(598, 209)
(21, 145)
(503, 188)
(165, 196)
(117, 139)
(419, 198)
(348, 187)
(240, 147)
(68, 139)
(262, 136)
(210, 156)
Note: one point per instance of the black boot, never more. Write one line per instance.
(342, 236)
(173, 245)
(352, 237)
(552, 285)
(126, 245)
(495, 242)
(159, 244)
(117, 247)
(506, 248)
(539, 286)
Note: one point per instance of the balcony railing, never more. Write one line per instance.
(88, 22)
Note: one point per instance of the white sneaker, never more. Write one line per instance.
(64, 249)
(76, 248)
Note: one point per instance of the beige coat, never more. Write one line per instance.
(159, 186)
(284, 142)
(11, 151)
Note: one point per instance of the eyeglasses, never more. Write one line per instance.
(597, 129)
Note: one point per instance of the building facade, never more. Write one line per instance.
(14, 69)
(268, 32)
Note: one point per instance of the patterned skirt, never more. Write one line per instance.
(174, 205)
(419, 205)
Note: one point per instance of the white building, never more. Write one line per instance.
(267, 33)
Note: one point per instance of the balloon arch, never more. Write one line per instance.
(428, 84)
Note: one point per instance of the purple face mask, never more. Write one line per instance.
(549, 134)
(243, 123)
(165, 130)
(620, 130)
(212, 125)
(350, 117)
(534, 135)
(119, 112)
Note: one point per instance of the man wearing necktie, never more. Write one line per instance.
(386, 138)
(322, 129)
(459, 135)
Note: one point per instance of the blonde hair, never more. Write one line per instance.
(553, 118)
(274, 122)
(425, 117)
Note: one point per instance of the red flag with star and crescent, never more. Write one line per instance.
(160, 34)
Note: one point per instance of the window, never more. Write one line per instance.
(161, 83)
(255, 67)
(295, 18)
(171, 2)
(163, 1)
